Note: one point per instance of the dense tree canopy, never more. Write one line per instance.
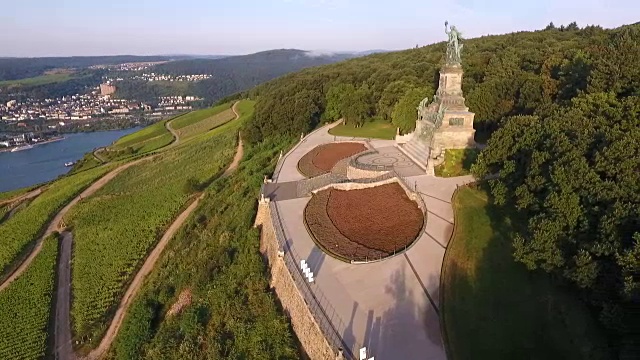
(515, 74)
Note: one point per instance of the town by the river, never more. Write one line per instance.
(46, 162)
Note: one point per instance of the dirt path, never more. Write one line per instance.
(29, 195)
(98, 157)
(176, 137)
(63, 346)
(150, 262)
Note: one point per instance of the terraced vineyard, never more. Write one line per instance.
(25, 308)
(197, 116)
(206, 124)
(25, 226)
(153, 144)
(116, 228)
(150, 132)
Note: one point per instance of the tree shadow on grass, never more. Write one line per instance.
(494, 308)
(469, 157)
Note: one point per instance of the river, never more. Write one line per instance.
(45, 162)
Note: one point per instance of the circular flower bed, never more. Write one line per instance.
(323, 158)
(365, 224)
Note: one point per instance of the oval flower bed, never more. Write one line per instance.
(363, 224)
(323, 158)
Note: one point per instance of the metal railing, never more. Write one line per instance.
(323, 312)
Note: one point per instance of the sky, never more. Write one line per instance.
(213, 27)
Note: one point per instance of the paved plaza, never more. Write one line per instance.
(390, 306)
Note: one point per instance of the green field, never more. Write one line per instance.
(37, 80)
(493, 308)
(377, 129)
(25, 226)
(25, 308)
(116, 228)
(197, 116)
(457, 162)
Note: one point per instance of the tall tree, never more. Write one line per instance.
(390, 97)
(336, 96)
(404, 114)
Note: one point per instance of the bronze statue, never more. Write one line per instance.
(454, 47)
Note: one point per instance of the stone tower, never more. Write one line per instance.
(456, 130)
(443, 122)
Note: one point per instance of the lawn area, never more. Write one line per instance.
(493, 308)
(378, 129)
(457, 162)
(38, 80)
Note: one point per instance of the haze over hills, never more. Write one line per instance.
(229, 74)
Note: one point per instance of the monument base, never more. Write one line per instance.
(455, 139)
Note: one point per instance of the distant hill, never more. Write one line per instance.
(21, 68)
(230, 74)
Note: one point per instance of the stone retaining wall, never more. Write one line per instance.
(356, 173)
(303, 322)
(358, 186)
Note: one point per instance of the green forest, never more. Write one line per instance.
(560, 108)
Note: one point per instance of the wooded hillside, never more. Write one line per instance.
(229, 75)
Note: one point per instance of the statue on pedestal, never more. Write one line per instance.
(454, 47)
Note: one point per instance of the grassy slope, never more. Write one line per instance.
(13, 193)
(457, 162)
(216, 255)
(25, 308)
(197, 116)
(137, 205)
(87, 162)
(494, 308)
(152, 131)
(378, 129)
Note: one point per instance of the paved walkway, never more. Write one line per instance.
(391, 306)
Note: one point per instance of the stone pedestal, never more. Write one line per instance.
(447, 119)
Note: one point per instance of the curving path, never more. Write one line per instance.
(176, 141)
(29, 195)
(63, 345)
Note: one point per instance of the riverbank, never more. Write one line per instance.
(44, 163)
(57, 138)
